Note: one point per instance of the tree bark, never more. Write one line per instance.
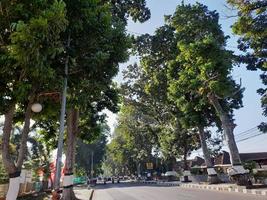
(24, 136)
(237, 172)
(212, 175)
(138, 165)
(10, 167)
(186, 167)
(72, 131)
(13, 169)
(7, 129)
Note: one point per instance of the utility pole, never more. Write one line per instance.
(92, 164)
(62, 124)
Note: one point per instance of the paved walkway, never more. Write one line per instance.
(82, 193)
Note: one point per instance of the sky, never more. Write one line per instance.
(247, 117)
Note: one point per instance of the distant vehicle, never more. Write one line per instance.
(126, 178)
(101, 180)
(115, 179)
(172, 175)
(91, 182)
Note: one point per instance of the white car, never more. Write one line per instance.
(171, 173)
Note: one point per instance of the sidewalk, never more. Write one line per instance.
(83, 193)
(226, 188)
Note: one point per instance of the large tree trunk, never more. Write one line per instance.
(237, 172)
(72, 131)
(138, 167)
(24, 136)
(13, 169)
(186, 172)
(10, 167)
(212, 175)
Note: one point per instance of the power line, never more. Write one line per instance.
(249, 137)
(256, 127)
(258, 133)
(248, 134)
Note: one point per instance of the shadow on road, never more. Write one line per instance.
(126, 185)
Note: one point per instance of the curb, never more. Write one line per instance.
(160, 183)
(238, 189)
(92, 194)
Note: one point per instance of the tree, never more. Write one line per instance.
(85, 150)
(204, 71)
(29, 37)
(135, 137)
(37, 44)
(156, 53)
(178, 142)
(97, 43)
(252, 28)
(122, 9)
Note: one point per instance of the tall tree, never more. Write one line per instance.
(132, 144)
(29, 37)
(156, 52)
(97, 146)
(203, 68)
(251, 26)
(97, 44)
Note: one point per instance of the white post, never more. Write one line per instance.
(62, 125)
(13, 188)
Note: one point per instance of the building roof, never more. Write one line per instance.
(224, 157)
(253, 156)
(197, 161)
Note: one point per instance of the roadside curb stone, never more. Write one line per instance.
(160, 183)
(226, 188)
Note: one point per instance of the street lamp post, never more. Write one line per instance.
(92, 165)
(62, 124)
(61, 131)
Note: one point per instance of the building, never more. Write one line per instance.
(222, 161)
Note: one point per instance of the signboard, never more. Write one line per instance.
(149, 165)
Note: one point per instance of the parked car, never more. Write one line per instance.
(171, 175)
(101, 180)
(115, 179)
(91, 182)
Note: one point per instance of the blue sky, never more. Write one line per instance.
(247, 117)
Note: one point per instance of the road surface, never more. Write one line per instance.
(153, 192)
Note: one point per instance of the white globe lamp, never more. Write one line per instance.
(36, 107)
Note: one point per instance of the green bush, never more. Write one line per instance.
(250, 165)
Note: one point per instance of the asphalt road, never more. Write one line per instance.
(150, 192)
